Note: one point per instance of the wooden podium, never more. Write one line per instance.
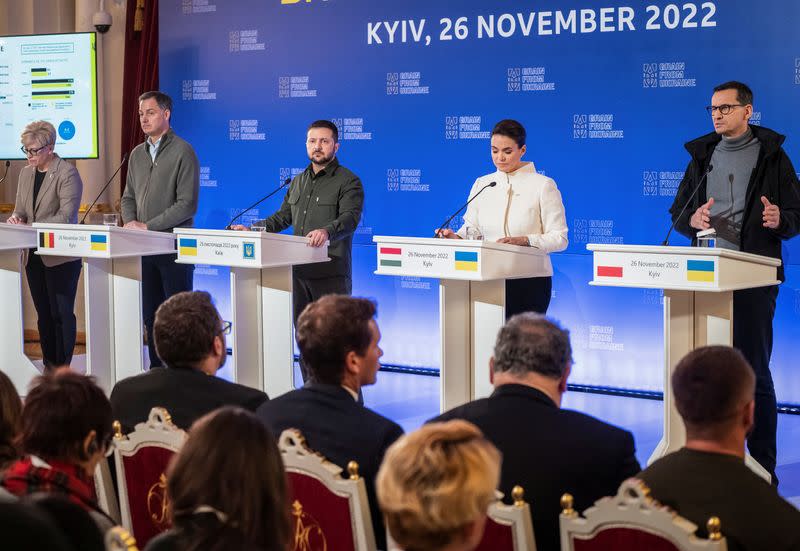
(13, 239)
(472, 300)
(698, 286)
(261, 297)
(112, 282)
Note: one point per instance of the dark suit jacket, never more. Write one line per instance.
(339, 428)
(186, 394)
(699, 485)
(549, 451)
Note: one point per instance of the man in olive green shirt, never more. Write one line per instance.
(323, 203)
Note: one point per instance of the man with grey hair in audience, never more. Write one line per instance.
(546, 450)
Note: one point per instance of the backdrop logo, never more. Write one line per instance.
(392, 179)
(408, 83)
(649, 183)
(756, 118)
(197, 6)
(351, 128)
(580, 128)
(528, 79)
(197, 90)
(405, 180)
(595, 231)
(245, 130)
(670, 74)
(295, 87)
(205, 177)
(797, 70)
(287, 172)
(245, 41)
(650, 75)
(465, 127)
(392, 84)
(514, 80)
(601, 337)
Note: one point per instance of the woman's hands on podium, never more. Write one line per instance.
(447, 233)
(239, 227)
(522, 241)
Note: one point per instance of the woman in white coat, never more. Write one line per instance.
(523, 208)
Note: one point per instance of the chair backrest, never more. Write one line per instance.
(633, 520)
(119, 539)
(104, 488)
(141, 459)
(508, 527)
(328, 511)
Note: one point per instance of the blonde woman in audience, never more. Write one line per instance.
(435, 486)
(227, 488)
(10, 415)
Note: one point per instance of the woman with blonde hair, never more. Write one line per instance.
(49, 190)
(435, 485)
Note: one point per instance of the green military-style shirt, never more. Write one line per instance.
(331, 200)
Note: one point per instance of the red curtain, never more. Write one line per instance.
(140, 71)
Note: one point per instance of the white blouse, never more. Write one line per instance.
(522, 203)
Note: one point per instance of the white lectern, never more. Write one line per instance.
(261, 297)
(698, 286)
(112, 282)
(472, 299)
(13, 239)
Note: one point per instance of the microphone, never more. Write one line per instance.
(689, 200)
(254, 205)
(8, 164)
(124, 159)
(462, 207)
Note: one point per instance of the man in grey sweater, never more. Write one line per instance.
(161, 193)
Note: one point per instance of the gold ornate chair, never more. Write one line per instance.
(508, 527)
(328, 511)
(632, 520)
(141, 460)
(119, 539)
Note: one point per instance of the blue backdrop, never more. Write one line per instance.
(609, 91)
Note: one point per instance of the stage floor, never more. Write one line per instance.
(410, 400)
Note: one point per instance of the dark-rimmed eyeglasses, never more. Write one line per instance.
(226, 327)
(725, 109)
(33, 151)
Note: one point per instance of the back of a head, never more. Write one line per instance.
(59, 412)
(531, 343)
(184, 329)
(10, 419)
(74, 523)
(330, 328)
(231, 469)
(710, 385)
(25, 526)
(436, 481)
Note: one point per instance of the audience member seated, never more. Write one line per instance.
(10, 409)
(546, 450)
(66, 431)
(435, 486)
(227, 488)
(189, 337)
(25, 526)
(714, 393)
(338, 340)
(75, 524)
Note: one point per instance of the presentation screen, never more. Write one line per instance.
(50, 77)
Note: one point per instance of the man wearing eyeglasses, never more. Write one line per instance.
(748, 193)
(189, 336)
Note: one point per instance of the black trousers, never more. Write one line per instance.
(53, 292)
(753, 312)
(161, 278)
(529, 294)
(306, 291)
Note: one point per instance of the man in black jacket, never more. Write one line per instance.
(546, 450)
(338, 338)
(190, 339)
(747, 190)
